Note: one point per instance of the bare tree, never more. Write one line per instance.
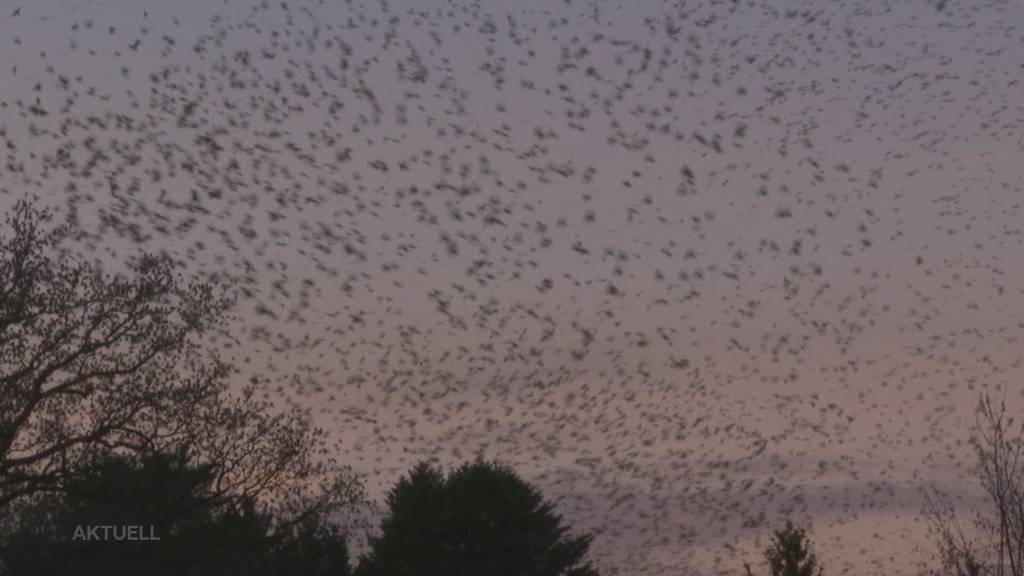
(92, 363)
(996, 545)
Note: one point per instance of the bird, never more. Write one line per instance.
(692, 265)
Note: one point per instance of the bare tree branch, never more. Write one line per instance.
(92, 364)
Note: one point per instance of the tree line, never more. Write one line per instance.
(124, 451)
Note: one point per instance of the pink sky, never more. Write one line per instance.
(833, 357)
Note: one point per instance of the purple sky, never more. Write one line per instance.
(736, 260)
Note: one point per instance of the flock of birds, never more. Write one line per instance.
(692, 267)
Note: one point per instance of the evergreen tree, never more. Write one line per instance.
(481, 519)
(790, 553)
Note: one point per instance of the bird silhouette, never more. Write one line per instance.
(692, 266)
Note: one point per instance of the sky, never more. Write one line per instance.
(690, 267)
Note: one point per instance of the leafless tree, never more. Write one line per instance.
(996, 545)
(92, 363)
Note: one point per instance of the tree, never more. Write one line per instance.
(481, 519)
(169, 499)
(790, 554)
(94, 365)
(90, 362)
(997, 545)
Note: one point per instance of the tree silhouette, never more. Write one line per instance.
(93, 365)
(90, 362)
(188, 528)
(790, 554)
(481, 519)
(996, 546)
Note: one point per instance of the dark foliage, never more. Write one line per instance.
(112, 413)
(185, 528)
(790, 553)
(481, 519)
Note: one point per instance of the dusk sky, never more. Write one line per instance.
(690, 267)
